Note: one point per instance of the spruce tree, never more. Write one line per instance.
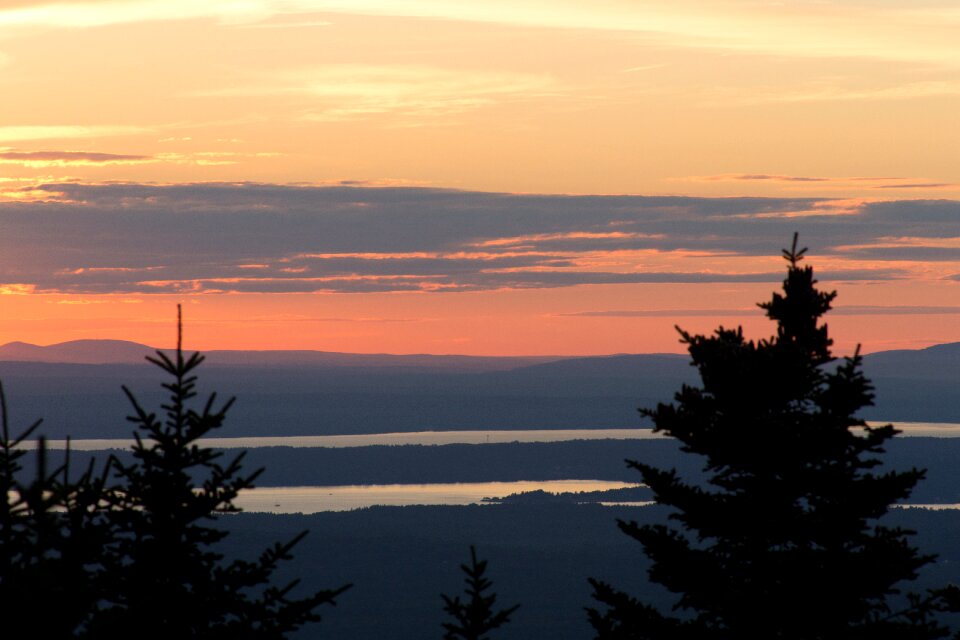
(474, 617)
(782, 541)
(53, 533)
(167, 578)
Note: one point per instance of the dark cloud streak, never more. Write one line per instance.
(70, 157)
(850, 310)
(125, 238)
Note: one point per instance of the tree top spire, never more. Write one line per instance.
(793, 255)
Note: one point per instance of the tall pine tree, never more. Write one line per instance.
(168, 580)
(131, 551)
(782, 541)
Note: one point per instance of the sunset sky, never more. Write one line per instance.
(479, 177)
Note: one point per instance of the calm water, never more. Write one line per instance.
(932, 507)
(914, 429)
(345, 498)
(370, 439)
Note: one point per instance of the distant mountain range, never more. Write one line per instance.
(77, 352)
(75, 387)
(126, 352)
(930, 362)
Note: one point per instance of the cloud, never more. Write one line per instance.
(79, 14)
(737, 177)
(86, 302)
(68, 158)
(783, 29)
(907, 253)
(39, 159)
(350, 91)
(850, 310)
(574, 236)
(821, 184)
(924, 34)
(842, 93)
(887, 182)
(918, 185)
(211, 158)
(22, 133)
(394, 283)
(285, 24)
(135, 238)
(297, 317)
(895, 311)
(662, 313)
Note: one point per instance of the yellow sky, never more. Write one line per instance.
(846, 102)
(573, 97)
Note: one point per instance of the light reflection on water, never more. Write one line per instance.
(932, 507)
(925, 429)
(371, 439)
(910, 429)
(345, 498)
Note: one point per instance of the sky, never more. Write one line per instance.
(522, 177)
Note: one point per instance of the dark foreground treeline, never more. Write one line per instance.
(582, 460)
(400, 559)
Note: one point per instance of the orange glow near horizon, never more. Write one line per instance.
(541, 322)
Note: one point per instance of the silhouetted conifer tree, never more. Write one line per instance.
(167, 579)
(782, 541)
(474, 617)
(52, 536)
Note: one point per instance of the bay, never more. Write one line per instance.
(909, 429)
(287, 500)
(387, 439)
(306, 500)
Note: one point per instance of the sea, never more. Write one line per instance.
(313, 499)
